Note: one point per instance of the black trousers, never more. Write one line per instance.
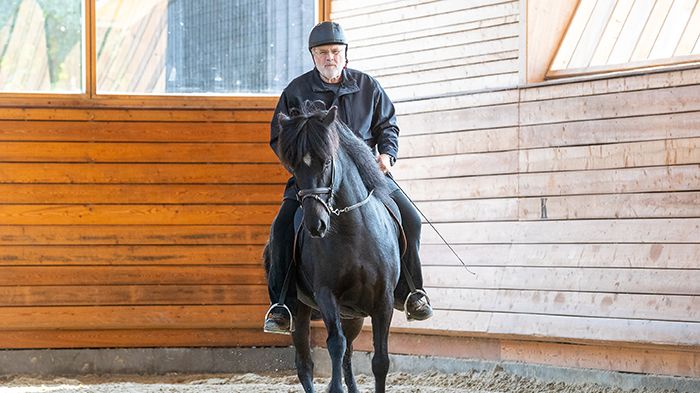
(281, 248)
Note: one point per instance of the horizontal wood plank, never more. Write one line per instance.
(138, 295)
(132, 275)
(34, 255)
(96, 194)
(140, 338)
(618, 155)
(580, 231)
(572, 207)
(498, 116)
(583, 304)
(644, 360)
(599, 280)
(435, 55)
(133, 317)
(114, 114)
(657, 205)
(629, 180)
(501, 77)
(99, 152)
(124, 131)
(615, 130)
(474, 141)
(137, 214)
(523, 326)
(142, 173)
(613, 84)
(457, 165)
(132, 234)
(610, 255)
(409, 24)
(634, 103)
(456, 38)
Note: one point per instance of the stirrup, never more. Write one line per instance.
(405, 303)
(289, 312)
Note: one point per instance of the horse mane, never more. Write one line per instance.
(305, 131)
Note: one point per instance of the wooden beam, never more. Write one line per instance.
(544, 23)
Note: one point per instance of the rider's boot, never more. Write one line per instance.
(280, 275)
(278, 320)
(417, 306)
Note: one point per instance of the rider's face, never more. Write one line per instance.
(329, 61)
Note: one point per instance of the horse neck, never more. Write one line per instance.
(351, 189)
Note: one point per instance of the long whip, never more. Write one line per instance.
(435, 229)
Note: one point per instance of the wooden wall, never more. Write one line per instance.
(576, 206)
(129, 226)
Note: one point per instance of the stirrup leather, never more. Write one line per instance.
(289, 312)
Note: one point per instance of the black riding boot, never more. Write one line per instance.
(411, 298)
(278, 318)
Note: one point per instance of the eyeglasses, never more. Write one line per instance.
(326, 52)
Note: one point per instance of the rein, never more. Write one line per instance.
(316, 192)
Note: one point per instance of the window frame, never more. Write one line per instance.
(539, 43)
(90, 98)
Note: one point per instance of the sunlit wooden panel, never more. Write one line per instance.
(636, 20)
(651, 30)
(591, 34)
(690, 35)
(673, 27)
(573, 35)
(612, 32)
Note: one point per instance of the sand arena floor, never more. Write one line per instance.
(471, 382)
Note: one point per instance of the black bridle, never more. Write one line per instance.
(316, 193)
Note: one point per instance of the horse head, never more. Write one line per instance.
(308, 146)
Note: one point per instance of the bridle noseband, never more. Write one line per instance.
(327, 204)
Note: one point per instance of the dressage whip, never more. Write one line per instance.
(433, 226)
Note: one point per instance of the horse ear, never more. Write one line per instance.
(281, 117)
(330, 116)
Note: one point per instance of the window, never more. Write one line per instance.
(154, 46)
(609, 35)
(41, 46)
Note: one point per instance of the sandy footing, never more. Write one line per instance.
(471, 382)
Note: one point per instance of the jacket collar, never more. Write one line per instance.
(348, 84)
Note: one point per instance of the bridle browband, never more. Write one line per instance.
(316, 193)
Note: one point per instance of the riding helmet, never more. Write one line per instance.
(326, 33)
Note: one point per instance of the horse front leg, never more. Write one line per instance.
(351, 329)
(335, 342)
(381, 321)
(303, 360)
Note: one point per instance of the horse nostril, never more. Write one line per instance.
(322, 229)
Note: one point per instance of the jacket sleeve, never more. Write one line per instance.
(384, 127)
(274, 124)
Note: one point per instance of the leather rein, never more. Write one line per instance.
(315, 193)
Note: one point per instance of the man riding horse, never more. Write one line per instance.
(367, 110)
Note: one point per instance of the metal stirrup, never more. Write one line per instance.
(417, 291)
(291, 317)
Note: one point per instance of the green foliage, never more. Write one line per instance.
(8, 10)
(63, 25)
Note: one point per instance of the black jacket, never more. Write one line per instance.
(362, 105)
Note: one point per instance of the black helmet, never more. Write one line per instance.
(326, 33)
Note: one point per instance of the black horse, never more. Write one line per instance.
(349, 258)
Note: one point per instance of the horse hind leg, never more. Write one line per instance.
(351, 329)
(303, 361)
(335, 342)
